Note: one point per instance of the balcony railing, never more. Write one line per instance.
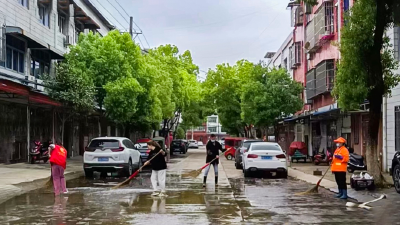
(325, 77)
(310, 85)
(321, 28)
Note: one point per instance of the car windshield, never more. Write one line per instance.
(247, 143)
(266, 148)
(104, 143)
(176, 143)
(192, 141)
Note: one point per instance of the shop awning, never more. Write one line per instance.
(10, 87)
(295, 118)
(325, 112)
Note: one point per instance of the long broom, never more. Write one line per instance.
(315, 188)
(133, 175)
(196, 173)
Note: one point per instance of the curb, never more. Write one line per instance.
(11, 191)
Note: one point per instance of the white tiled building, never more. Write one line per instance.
(37, 32)
(281, 58)
(213, 125)
(391, 111)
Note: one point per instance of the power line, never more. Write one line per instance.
(140, 41)
(120, 13)
(98, 1)
(146, 40)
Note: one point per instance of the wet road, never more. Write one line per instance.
(245, 201)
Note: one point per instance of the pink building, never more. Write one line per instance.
(313, 58)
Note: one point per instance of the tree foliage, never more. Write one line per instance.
(180, 133)
(365, 70)
(271, 94)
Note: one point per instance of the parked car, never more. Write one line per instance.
(186, 143)
(264, 157)
(178, 146)
(193, 144)
(395, 171)
(239, 152)
(111, 154)
(200, 143)
(143, 149)
(230, 144)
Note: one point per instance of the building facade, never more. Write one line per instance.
(313, 56)
(391, 110)
(35, 34)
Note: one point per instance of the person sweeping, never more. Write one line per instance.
(58, 161)
(159, 168)
(339, 166)
(213, 147)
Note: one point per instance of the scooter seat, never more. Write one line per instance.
(358, 157)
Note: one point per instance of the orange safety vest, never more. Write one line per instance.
(59, 156)
(340, 165)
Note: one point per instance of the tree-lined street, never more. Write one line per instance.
(235, 201)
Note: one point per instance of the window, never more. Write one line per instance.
(396, 42)
(346, 5)
(325, 76)
(265, 147)
(128, 144)
(44, 15)
(104, 143)
(23, 3)
(40, 63)
(297, 53)
(397, 127)
(310, 85)
(299, 16)
(15, 55)
(61, 24)
(229, 143)
(212, 129)
(212, 119)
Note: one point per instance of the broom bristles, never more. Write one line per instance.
(193, 174)
(126, 181)
(49, 182)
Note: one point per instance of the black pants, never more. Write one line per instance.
(340, 178)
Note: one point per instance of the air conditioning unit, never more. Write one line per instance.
(31, 79)
(40, 88)
(67, 41)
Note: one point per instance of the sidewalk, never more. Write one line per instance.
(304, 171)
(19, 178)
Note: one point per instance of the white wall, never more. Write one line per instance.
(389, 118)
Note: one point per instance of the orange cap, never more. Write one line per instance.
(340, 140)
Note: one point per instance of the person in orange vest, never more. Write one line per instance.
(339, 166)
(58, 161)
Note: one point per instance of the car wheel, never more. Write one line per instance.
(316, 163)
(229, 157)
(45, 160)
(89, 173)
(32, 160)
(283, 175)
(396, 178)
(246, 173)
(129, 170)
(140, 164)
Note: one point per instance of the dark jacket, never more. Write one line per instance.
(213, 151)
(158, 163)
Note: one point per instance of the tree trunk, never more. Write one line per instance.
(372, 154)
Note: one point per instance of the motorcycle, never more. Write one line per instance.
(39, 152)
(323, 158)
(356, 162)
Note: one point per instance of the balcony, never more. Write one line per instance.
(321, 29)
(310, 85)
(325, 77)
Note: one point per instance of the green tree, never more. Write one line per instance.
(73, 88)
(180, 133)
(222, 89)
(366, 66)
(271, 94)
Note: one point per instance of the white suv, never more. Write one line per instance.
(111, 154)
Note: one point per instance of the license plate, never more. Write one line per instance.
(103, 159)
(266, 157)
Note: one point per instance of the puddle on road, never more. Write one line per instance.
(249, 201)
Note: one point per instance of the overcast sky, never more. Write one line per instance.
(215, 31)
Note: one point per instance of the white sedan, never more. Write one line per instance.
(111, 154)
(265, 156)
(193, 144)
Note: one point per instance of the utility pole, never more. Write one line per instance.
(131, 26)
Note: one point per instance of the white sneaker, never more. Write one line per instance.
(163, 194)
(155, 193)
(66, 192)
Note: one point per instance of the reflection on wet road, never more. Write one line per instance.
(264, 201)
